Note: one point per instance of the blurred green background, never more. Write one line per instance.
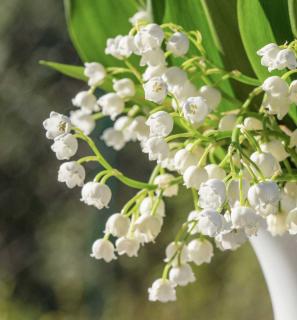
(46, 232)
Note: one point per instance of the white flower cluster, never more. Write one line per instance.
(240, 166)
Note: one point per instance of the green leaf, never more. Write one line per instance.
(91, 22)
(292, 4)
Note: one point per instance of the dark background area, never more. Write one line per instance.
(46, 232)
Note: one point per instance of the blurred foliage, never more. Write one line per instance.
(46, 233)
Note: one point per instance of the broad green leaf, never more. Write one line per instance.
(194, 15)
(292, 4)
(91, 22)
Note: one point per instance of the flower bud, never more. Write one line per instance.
(113, 138)
(86, 101)
(162, 290)
(264, 198)
(266, 163)
(276, 148)
(103, 249)
(96, 194)
(65, 146)
(56, 125)
(212, 194)
(200, 251)
(252, 124)
(140, 17)
(72, 173)
(163, 181)
(195, 110)
(182, 275)
(128, 246)
(117, 225)
(124, 88)
(211, 95)
(227, 123)
(194, 176)
(155, 90)
(178, 44)
(112, 105)
(160, 123)
(215, 172)
(95, 72)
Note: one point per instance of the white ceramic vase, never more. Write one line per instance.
(278, 260)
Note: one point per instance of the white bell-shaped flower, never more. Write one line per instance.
(275, 86)
(155, 90)
(95, 72)
(141, 16)
(264, 197)
(277, 223)
(175, 76)
(268, 54)
(154, 57)
(148, 226)
(83, 121)
(125, 88)
(178, 44)
(123, 124)
(182, 275)
(200, 251)
(176, 253)
(183, 159)
(290, 188)
(57, 124)
(140, 128)
(211, 95)
(147, 205)
(168, 162)
(103, 249)
(65, 146)
(149, 37)
(112, 105)
(195, 110)
(164, 182)
(266, 163)
(72, 173)
(154, 72)
(215, 172)
(251, 123)
(96, 194)
(86, 101)
(212, 194)
(245, 218)
(157, 148)
(160, 123)
(162, 290)
(285, 58)
(276, 148)
(117, 225)
(278, 105)
(230, 239)
(227, 122)
(128, 246)
(292, 222)
(194, 176)
(210, 222)
(120, 47)
(113, 138)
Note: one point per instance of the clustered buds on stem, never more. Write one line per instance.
(240, 166)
